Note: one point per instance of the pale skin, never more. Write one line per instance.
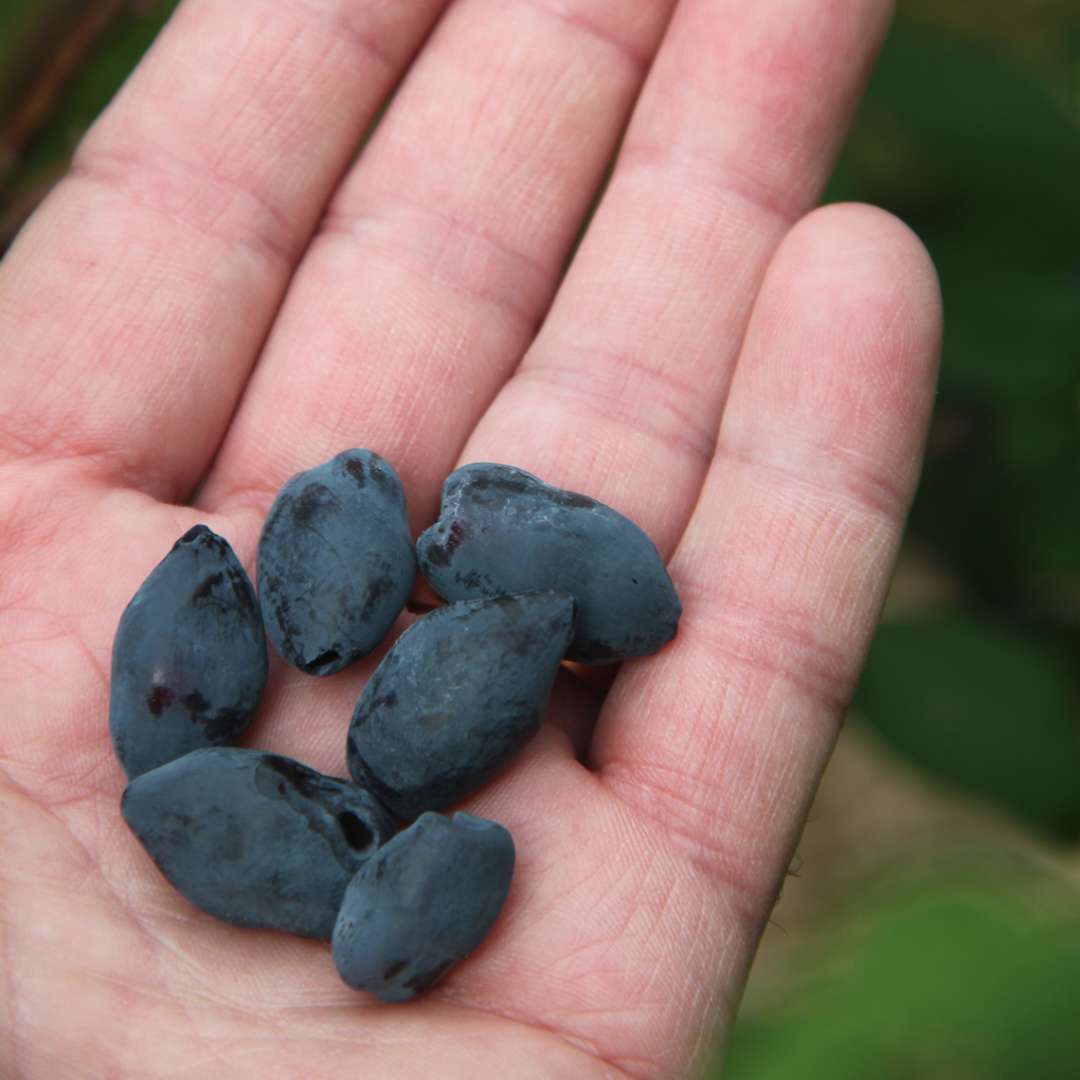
(221, 294)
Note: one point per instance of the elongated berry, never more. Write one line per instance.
(502, 530)
(256, 839)
(460, 692)
(336, 562)
(189, 656)
(421, 904)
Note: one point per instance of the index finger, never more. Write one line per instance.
(136, 300)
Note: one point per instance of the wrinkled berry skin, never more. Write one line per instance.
(502, 530)
(422, 903)
(460, 692)
(335, 563)
(189, 656)
(256, 839)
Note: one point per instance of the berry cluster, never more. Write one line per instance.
(532, 574)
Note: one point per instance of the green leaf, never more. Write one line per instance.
(990, 710)
(965, 979)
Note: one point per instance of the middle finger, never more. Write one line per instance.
(441, 251)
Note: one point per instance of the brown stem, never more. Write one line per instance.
(53, 52)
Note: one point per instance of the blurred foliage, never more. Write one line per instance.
(17, 22)
(986, 707)
(92, 86)
(61, 61)
(960, 979)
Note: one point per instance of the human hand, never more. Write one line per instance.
(201, 309)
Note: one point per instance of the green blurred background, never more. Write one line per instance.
(931, 924)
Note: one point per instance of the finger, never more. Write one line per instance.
(138, 296)
(442, 249)
(721, 738)
(732, 140)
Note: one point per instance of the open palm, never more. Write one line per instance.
(219, 296)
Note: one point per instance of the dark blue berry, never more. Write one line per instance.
(421, 904)
(502, 530)
(189, 657)
(460, 692)
(335, 563)
(256, 839)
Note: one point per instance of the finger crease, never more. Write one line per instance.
(866, 489)
(678, 165)
(443, 247)
(672, 801)
(655, 416)
(778, 642)
(202, 198)
(581, 23)
(343, 24)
